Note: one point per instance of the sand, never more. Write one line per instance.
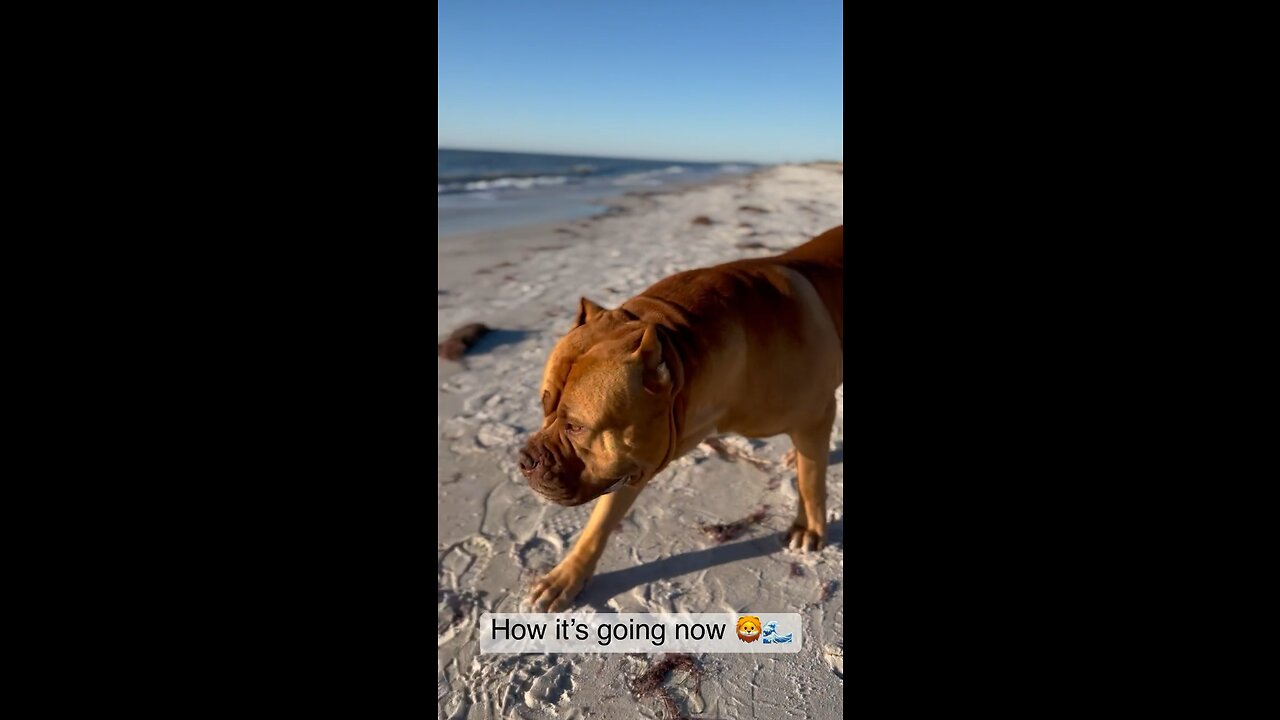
(496, 536)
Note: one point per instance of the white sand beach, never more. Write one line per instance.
(496, 536)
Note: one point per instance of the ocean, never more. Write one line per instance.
(478, 190)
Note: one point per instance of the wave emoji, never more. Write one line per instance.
(771, 636)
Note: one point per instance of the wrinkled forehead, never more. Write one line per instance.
(586, 367)
(593, 383)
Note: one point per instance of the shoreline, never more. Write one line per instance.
(607, 202)
(472, 251)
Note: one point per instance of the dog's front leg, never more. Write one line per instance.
(554, 591)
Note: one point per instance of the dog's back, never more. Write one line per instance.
(821, 261)
(751, 287)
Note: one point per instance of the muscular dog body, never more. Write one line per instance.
(754, 347)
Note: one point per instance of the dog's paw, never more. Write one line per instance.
(801, 538)
(559, 587)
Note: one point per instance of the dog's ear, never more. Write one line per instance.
(553, 385)
(587, 311)
(657, 377)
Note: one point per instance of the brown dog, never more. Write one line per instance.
(754, 347)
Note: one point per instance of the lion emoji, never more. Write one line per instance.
(748, 628)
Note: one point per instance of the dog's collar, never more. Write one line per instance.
(676, 417)
(618, 484)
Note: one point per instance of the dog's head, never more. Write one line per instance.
(607, 395)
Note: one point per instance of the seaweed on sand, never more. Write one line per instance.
(724, 532)
(650, 683)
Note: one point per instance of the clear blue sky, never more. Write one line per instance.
(695, 80)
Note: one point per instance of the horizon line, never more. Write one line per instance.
(613, 157)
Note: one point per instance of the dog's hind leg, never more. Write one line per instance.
(809, 531)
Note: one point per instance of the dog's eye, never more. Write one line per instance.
(571, 428)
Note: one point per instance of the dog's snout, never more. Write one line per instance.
(551, 472)
(537, 460)
(528, 462)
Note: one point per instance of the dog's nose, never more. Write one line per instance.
(527, 462)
